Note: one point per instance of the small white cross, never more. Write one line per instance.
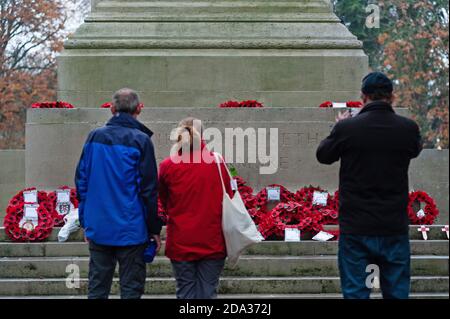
(445, 229)
(424, 230)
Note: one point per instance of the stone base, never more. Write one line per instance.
(55, 138)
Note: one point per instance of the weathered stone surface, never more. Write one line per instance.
(300, 131)
(12, 176)
(202, 53)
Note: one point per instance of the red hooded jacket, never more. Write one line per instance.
(192, 194)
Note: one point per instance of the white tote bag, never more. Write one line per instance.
(238, 227)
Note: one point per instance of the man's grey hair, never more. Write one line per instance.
(126, 101)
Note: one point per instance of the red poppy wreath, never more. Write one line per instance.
(19, 227)
(59, 209)
(261, 200)
(425, 216)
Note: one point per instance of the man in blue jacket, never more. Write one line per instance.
(116, 181)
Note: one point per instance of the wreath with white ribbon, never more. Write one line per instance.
(28, 221)
(422, 216)
(60, 204)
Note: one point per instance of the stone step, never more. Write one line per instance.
(430, 295)
(255, 266)
(435, 233)
(228, 285)
(312, 248)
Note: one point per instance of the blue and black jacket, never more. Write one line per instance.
(117, 183)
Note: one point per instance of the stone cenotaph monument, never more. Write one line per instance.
(185, 58)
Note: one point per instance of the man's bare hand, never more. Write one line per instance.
(86, 240)
(157, 238)
(343, 115)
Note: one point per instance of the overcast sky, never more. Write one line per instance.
(76, 13)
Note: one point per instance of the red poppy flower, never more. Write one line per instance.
(326, 104)
(355, 104)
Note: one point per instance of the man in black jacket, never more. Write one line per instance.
(375, 148)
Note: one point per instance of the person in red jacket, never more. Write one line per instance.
(191, 193)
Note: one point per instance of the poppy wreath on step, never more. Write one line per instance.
(27, 232)
(425, 216)
(58, 218)
(305, 195)
(289, 215)
(285, 215)
(329, 212)
(261, 199)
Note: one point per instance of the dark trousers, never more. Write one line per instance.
(197, 279)
(390, 254)
(102, 264)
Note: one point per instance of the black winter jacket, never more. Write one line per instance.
(375, 148)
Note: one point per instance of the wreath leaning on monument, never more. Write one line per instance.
(262, 200)
(426, 215)
(59, 210)
(17, 228)
(290, 215)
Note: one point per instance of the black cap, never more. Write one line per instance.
(376, 81)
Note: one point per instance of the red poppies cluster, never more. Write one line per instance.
(48, 217)
(352, 104)
(106, 105)
(295, 210)
(249, 104)
(356, 104)
(246, 192)
(430, 210)
(52, 105)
